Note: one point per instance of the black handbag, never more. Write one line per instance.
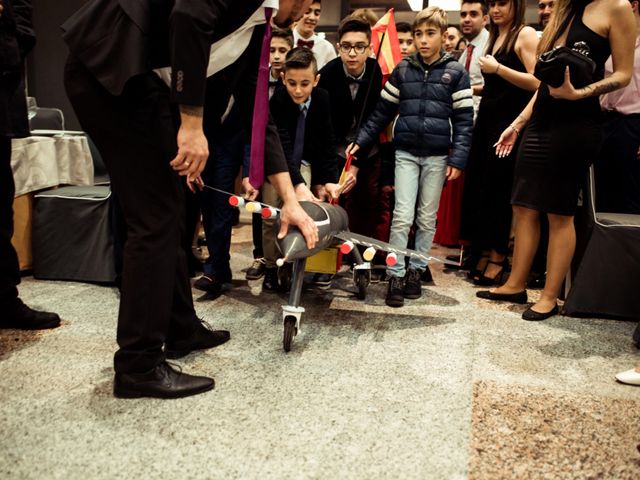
(551, 66)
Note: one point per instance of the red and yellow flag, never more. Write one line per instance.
(390, 55)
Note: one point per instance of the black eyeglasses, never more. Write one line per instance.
(358, 47)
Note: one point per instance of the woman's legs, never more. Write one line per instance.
(562, 243)
(526, 244)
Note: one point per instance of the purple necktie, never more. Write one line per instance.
(261, 109)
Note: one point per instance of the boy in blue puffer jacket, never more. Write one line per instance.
(430, 93)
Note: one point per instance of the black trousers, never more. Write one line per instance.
(9, 268)
(136, 135)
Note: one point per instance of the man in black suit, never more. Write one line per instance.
(347, 79)
(16, 39)
(119, 49)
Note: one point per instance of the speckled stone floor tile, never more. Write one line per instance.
(367, 392)
(531, 433)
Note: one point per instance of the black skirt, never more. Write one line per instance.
(561, 141)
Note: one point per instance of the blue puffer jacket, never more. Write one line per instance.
(430, 102)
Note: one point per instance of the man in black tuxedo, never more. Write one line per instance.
(149, 135)
(16, 39)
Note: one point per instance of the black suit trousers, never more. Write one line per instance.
(9, 269)
(136, 135)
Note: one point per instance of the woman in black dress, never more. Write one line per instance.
(507, 67)
(563, 135)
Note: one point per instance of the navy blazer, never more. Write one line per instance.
(319, 142)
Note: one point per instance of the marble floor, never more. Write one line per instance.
(447, 387)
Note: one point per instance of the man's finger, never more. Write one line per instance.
(284, 227)
(178, 160)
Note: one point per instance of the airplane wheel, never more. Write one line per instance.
(289, 332)
(362, 283)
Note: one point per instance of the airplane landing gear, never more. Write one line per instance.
(291, 313)
(362, 279)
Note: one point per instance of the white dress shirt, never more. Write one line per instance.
(475, 74)
(322, 48)
(228, 49)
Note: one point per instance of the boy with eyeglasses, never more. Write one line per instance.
(347, 79)
(431, 93)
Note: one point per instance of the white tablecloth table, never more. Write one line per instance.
(40, 162)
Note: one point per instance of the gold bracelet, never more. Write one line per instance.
(498, 68)
(515, 129)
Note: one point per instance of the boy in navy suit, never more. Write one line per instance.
(302, 115)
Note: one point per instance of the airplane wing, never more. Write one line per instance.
(386, 247)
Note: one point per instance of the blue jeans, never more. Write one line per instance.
(419, 182)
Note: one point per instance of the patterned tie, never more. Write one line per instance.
(470, 48)
(261, 109)
(305, 43)
(298, 144)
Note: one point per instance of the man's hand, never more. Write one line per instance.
(320, 192)
(292, 213)
(250, 193)
(388, 189)
(333, 190)
(303, 194)
(193, 149)
(351, 179)
(453, 172)
(352, 149)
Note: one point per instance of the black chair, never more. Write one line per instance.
(606, 273)
(72, 225)
(47, 119)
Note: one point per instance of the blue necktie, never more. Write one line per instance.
(298, 144)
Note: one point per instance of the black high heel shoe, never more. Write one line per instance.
(476, 272)
(484, 281)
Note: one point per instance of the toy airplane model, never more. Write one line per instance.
(333, 230)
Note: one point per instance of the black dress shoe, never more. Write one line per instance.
(160, 382)
(210, 284)
(22, 317)
(202, 338)
(534, 316)
(520, 297)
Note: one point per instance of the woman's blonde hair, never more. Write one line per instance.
(435, 16)
(561, 16)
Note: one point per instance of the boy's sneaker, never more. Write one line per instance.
(257, 269)
(426, 276)
(412, 284)
(395, 292)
